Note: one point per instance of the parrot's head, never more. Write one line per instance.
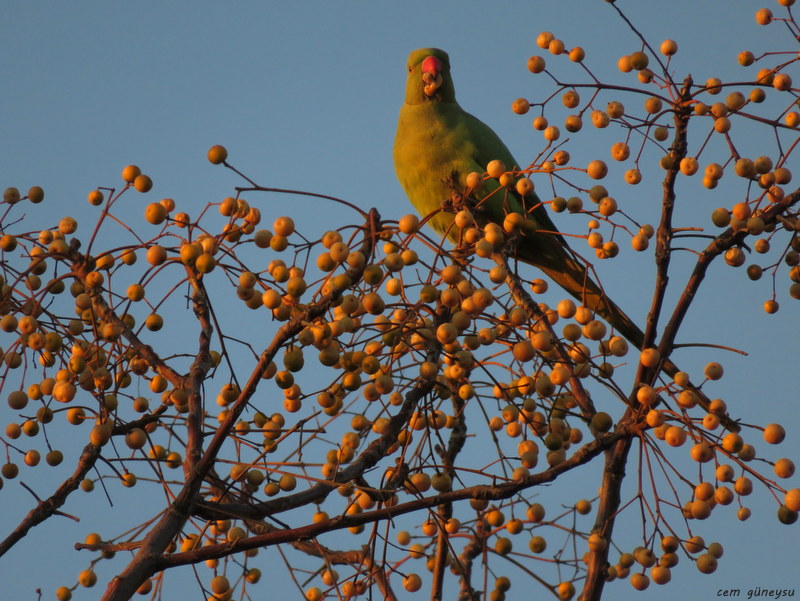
(429, 77)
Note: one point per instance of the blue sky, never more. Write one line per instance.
(305, 95)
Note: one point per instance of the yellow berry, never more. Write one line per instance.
(36, 194)
(130, 173)
(143, 183)
(520, 106)
(536, 64)
(217, 154)
(764, 16)
(495, 168)
(155, 213)
(774, 433)
(597, 169)
(668, 47)
(283, 226)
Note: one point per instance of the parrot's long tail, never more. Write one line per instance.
(569, 273)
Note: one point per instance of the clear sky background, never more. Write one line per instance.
(305, 95)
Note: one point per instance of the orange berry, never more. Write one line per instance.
(143, 183)
(217, 154)
(130, 173)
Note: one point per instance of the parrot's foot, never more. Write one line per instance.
(462, 254)
(459, 197)
(461, 202)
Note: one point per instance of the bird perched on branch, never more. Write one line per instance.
(438, 145)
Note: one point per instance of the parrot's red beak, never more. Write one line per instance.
(432, 65)
(431, 74)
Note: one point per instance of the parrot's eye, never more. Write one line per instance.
(410, 69)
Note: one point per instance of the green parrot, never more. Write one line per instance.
(438, 144)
